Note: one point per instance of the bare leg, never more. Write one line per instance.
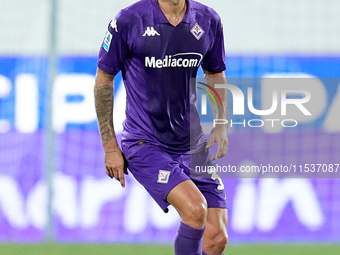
(192, 207)
(215, 236)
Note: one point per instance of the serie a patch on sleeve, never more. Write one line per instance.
(107, 41)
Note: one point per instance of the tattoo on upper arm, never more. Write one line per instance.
(104, 109)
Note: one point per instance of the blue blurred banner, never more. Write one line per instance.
(89, 206)
(23, 82)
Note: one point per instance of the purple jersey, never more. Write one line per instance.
(158, 62)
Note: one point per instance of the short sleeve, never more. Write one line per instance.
(114, 48)
(214, 60)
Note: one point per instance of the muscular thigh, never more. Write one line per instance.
(156, 170)
(210, 185)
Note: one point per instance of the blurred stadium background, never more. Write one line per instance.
(53, 188)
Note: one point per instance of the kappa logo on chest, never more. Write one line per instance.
(150, 31)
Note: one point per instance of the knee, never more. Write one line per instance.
(222, 242)
(196, 215)
(217, 244)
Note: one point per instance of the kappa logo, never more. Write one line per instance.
(113, 24)
(150, 31)
(163, 176)
(197, 31)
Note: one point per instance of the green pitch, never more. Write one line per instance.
(57, 249)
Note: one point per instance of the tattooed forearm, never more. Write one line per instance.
(104, 108)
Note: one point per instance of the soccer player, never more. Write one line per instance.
(158, 45)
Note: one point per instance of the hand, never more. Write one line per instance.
(116, 165)
(219, 134)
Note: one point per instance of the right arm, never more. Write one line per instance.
(103, 94)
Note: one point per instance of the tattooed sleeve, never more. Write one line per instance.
(104, 109)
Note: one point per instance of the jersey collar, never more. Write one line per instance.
(160, 17)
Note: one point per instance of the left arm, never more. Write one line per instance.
(219, 133)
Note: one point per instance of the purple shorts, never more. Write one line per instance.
(160, 171)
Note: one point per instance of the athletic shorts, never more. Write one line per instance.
(160, 171)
